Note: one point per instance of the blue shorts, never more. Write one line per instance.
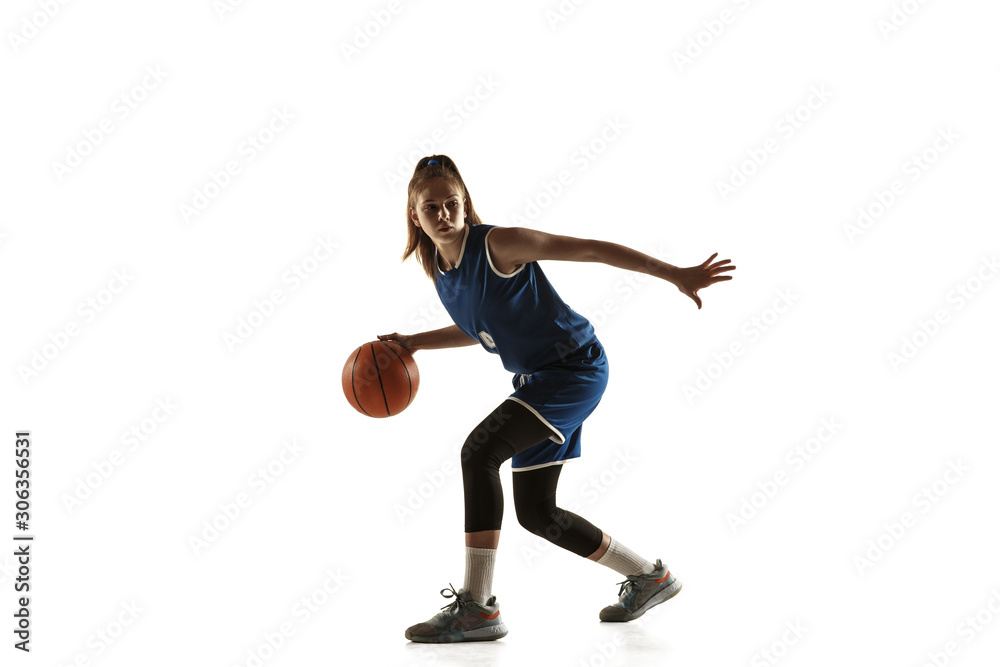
(562, 395)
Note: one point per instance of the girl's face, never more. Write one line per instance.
(440, 211)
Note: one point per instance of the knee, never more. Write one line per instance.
(529, 519)
(538, 519)
(480, 452)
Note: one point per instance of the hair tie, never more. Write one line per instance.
(433, 162)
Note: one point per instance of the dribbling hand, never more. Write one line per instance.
(402, 339)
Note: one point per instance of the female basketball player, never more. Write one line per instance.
(490, 283)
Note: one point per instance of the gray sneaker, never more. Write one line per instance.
(641, 592)
(464, 620)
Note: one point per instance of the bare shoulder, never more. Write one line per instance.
(507, 238)
(514, 246)
(503, 244)
(507, 234)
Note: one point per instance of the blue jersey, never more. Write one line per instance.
(518, 315)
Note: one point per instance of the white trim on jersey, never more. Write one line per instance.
(545, 421)
(461, 253)
(486, 243)
(541, 465)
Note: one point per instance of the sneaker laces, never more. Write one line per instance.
(453, 607)
(628, 587)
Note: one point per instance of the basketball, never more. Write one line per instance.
(380, 378)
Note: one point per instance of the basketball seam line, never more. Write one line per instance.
(354, 391)
(381, 386)
(409, 382)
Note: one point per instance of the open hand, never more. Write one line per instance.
(694, 278)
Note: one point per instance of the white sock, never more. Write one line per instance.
(479, 573)
(624, 561)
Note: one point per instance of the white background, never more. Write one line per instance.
(378, 502)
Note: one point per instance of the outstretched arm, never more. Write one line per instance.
(512, 246)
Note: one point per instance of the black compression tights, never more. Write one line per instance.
(508, 430)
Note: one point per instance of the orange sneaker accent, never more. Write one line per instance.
(490, 618)
(660, 581)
